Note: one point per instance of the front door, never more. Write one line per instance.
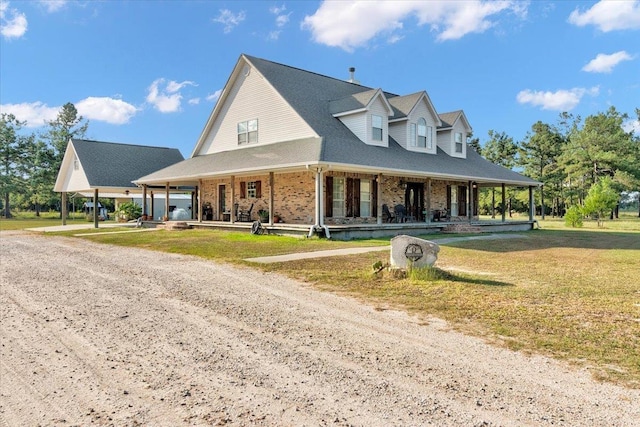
(222, 202)
(414, 200)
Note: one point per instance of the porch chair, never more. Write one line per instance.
(386, 214)
(245, 216)
(401, 213)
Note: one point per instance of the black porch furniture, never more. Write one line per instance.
(401, 213)
(387, 216)
(243, 216)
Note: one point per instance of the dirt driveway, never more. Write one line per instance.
(101, 335)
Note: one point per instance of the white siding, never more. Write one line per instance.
(445, 140)
(360, 123)
(399, 132)
(357, 123)
(379, 109)
(71, 179)
(251, 97)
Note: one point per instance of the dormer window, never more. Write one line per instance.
(376, 127)
(422, 133)
(458, 141)
(248, 132)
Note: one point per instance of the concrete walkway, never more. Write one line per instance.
(361, 250)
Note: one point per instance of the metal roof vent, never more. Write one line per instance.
(352, 76)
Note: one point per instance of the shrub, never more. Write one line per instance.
(573, 217)
(128, 211)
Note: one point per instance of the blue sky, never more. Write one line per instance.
(150, 72)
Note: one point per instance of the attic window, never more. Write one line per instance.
(422, 133)
(248, 132)
(458, 141)
(76, 164)
(376, 127)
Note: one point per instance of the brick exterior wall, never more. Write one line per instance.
(294, 195)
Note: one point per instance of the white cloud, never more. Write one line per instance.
(632, 125)
(274, 35)
(609, 15)
(282, 20)
(36, 114)
(13, 23)
(278, 10)
(53, 5)
(561, 100)
(105, 109)
(603, 63)
(229, 19)
(213, 97)
(169, 98)
(194, 101)
(340, 23)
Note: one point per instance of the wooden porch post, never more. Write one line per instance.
(380, 180)
(469, 202)
(233, 199)
(199, 200)
(194, 201)
(63, 208)
(152, 206)
(504, 204)
(271, 198)
(95, 208)
(144, 199)
(166, 201)
(532, 207)
(428, 201)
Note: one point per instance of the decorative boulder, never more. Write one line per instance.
(411, 251)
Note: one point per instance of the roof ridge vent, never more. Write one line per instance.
(352, 76)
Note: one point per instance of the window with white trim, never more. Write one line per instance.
(376, 127)
(251, 189)
(422, 133)
(430, 137)
(412, 134)
(365, 197)
(338, 197)
(458, 141)
(248, 132)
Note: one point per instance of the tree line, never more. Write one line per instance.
(569, 158)
(29, 163)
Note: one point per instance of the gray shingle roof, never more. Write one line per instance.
(402, 105)
(448, 119)
(108, 164)
(315, 98)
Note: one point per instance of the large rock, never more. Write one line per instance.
(411, 251)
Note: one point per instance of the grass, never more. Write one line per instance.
(573, 294)
(22, 220)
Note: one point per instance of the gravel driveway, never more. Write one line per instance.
(101, 335)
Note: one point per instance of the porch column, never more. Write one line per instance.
(532, 207)
(427, 207)
(166, 200)
(319, 199)
(271, 198)
(233, 199)
(193, 202)
(199, 200)
(379, 199)
(469, 201)
(152, 206)
(504, 204)
(63, 208)
(95, 208)
(144, 199)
